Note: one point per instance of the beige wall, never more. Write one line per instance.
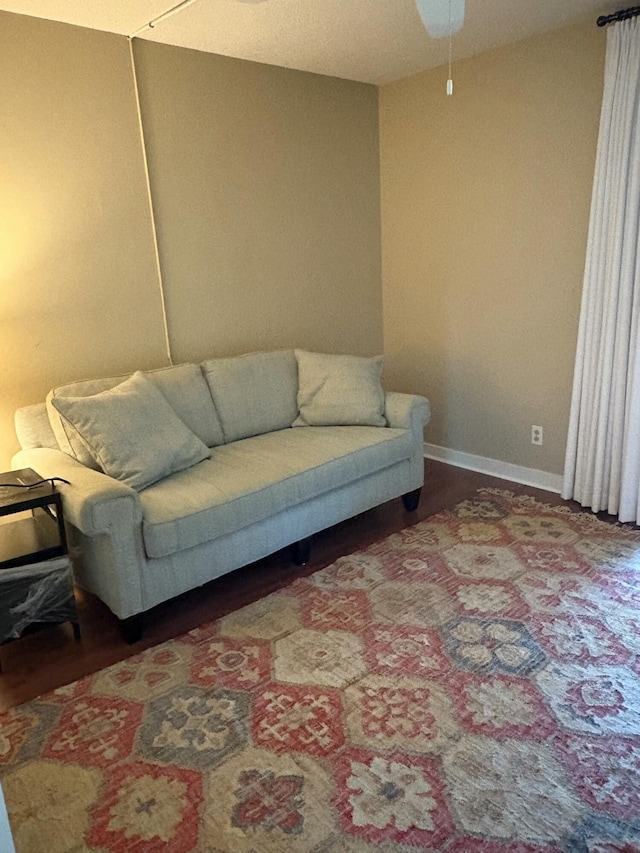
(76, 262)
(485, 209)
(266, 185)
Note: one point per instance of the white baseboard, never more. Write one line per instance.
(496, 468)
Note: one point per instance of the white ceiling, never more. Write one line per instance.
(373, 41)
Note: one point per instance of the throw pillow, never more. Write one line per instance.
(133, 432)
(185, 390)
(339, 390)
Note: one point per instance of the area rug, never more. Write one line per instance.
(468, 685)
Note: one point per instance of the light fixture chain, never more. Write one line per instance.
(450, 78)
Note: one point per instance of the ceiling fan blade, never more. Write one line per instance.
(441, 17)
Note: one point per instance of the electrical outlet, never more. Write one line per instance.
(536, 435)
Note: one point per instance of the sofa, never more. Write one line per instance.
(178, 475)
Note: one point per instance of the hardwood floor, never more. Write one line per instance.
(51, 657)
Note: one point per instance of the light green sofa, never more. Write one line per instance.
(266, 484)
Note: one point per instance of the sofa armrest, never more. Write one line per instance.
(93, 502)
(105, 517)
(406, 411)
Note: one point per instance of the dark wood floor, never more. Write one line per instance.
(51, 657)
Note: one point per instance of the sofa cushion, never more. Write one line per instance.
(183, 386)
(336, 390)
(253, 393)
(253, 479)
(132, 431)
(33, 427)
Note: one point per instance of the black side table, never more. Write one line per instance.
(36, 584)
(38, 537)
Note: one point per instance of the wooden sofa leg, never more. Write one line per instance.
(301, 551)
(411, 500)
(131, 629)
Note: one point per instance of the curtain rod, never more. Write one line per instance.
(621, 15)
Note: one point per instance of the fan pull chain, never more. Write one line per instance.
(450, 80)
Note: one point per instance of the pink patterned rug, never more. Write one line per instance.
(469, 685)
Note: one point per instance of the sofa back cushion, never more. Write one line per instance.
(33, 427)
(183, 387)
(254, 393)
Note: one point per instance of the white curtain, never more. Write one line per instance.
(602, 466)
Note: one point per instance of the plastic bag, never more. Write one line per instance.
(42, 592)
